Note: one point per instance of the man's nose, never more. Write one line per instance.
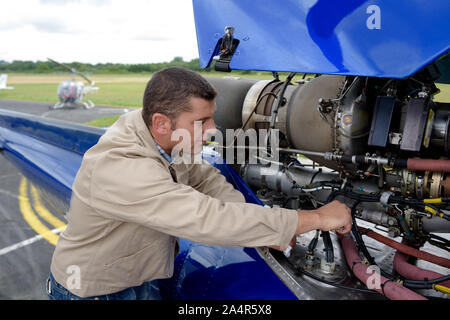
(211, 127)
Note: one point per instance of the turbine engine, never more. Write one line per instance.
(379, 145)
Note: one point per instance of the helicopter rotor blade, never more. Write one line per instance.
(72, 70)
(84, 77)
(63, 65)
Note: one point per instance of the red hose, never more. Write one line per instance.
(411, 272)
(390, 289)
(428, 165)
(406, 249)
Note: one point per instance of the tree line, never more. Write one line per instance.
(52, 67)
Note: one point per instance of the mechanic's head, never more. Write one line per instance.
(175, 99)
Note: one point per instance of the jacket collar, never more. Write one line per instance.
(152, 146)
(143, 132)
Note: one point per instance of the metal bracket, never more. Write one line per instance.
(417, 118)
(227, 48)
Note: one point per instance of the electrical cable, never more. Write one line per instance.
(328, 247)
(358, 237)
(415, 284)
(274, 111)
(438, 238)
(431, 281)
(313, 244)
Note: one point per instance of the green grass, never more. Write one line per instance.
(33, 92)
(126, 94)
(123, 94)
(103, 122)
(115, 90)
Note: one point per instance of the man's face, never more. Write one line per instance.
(195, 126)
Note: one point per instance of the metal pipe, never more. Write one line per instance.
(289, 181)
(406, 249)
(428, 165)
(304, 152)
(411, 163)
(435, 224)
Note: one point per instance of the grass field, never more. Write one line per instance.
(121, 90)
(115, 90)
(103, 122)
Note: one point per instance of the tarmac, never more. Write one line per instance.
(25, 256)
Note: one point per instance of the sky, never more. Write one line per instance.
(97, 31)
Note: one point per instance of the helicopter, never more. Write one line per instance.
(71, 92)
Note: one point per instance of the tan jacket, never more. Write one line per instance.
(127, 210)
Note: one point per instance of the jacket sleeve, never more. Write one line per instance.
(209, 180)
(142, 191)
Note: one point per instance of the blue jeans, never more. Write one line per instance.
(146, 291)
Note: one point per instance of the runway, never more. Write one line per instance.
(78, 115)
(28, 226)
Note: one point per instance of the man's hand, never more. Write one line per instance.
(335, 216)
(332, 216)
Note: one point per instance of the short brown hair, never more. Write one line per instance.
(169, 90)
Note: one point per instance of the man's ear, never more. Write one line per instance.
(161, 123)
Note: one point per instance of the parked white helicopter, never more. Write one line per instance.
(71, 92)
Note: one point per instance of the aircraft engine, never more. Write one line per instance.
(379, 145)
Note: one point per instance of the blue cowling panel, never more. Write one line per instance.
(48, 152)
(379, 38)
(214, 272)
(256, 280)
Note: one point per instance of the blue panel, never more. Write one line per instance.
(213, 272)
(44, 164)
(380, 38)
(48, 152)
(65, 135)
(230, 273)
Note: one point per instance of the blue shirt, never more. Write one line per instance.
(164, 154)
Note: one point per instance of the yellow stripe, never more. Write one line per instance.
(44, 213)
(441, 288)
(433, 200)
(431, 210)
(31, 218)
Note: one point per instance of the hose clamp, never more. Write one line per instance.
(385, 197)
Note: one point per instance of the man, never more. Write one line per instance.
(130, 202)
